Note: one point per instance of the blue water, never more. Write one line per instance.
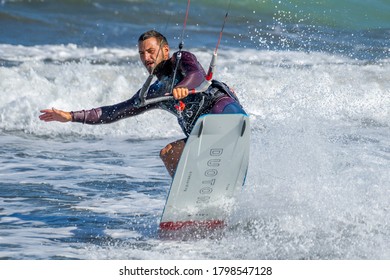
(314, 78)
(351, 27)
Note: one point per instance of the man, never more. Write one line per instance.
(187, 73)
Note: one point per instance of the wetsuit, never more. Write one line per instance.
(218, 98)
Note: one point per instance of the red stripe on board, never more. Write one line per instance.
(186, 224)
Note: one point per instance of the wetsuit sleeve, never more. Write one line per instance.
(193, 72)
(109, 114)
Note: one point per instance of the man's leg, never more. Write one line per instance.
(170, 155)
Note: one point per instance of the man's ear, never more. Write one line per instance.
(166, 51)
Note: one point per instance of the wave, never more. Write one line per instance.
(318, 168)
(11, 54)
(273, 86)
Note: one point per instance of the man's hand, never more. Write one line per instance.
(180, 93)
(50, 115)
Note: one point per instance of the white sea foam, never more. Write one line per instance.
(271, 85)
(317, 187)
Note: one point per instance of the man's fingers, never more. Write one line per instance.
(180, 93)
(46, 117)
(45, 110)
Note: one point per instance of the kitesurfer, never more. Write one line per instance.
(177, 77)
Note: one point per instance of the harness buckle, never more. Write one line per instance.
(180, 106)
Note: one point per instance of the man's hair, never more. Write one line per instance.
(153, 34)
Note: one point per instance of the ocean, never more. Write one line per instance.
(314, 77)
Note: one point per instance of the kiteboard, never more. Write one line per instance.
(212, 166)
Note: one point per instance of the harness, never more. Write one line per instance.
(195, 105)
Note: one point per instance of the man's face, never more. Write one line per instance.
(150, 53)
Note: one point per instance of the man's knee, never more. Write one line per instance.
(164, 151)
(170, 155)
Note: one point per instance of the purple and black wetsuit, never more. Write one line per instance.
(217, 99)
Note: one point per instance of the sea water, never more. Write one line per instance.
(314, 77)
